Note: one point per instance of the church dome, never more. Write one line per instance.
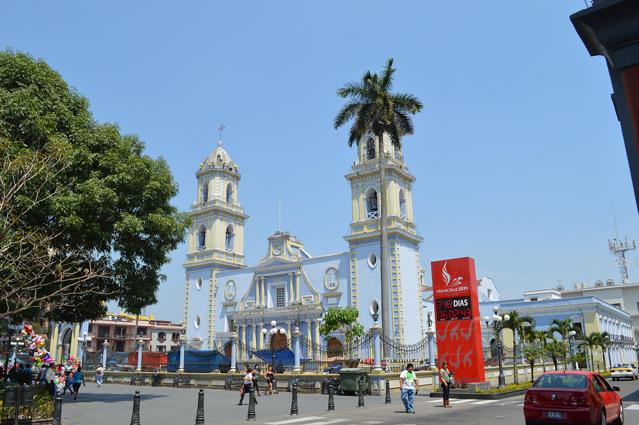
(219, 158)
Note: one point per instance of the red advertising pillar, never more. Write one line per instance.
(457, 320)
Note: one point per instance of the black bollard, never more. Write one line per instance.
(294, 410)
(360, 396)
(251, 409)
(388, 399)
(135, 417)
(57, 410)
(331, 397)
(199, 416)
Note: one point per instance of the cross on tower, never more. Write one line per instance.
(220, 130)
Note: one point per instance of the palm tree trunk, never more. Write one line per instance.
(554, 362)
(383, 248)
(603, 356)
(532, 372)
(592, 360)
(515, 371)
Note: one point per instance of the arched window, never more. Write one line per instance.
(229, 193)
(230, 236)
(402, 203)
(370, 148)
(371, 203)
(201, 237)
(205, 191)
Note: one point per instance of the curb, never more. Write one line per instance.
(480, 396)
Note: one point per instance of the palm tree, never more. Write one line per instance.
(590, 341)
(374, 108)
(604, 343)
(517, 323)
(555, 349)
(532, 353)
(543, 337)
(563, 328)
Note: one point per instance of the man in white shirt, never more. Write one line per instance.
(99, 375)
(410, 386)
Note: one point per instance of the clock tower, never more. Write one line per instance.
(215, 241)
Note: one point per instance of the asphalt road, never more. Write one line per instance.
(112, 404)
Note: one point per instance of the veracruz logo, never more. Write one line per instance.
(450, 283)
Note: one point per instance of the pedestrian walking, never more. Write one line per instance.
(410, 386)
(270, 377)
(246, 387)
(99, 376)
(78, 379)
(67, 373)
(256, 375)
(49, 379)
(445, 380)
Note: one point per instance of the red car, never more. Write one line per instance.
(572, 398)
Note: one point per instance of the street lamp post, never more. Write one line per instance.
(17, 345)
(84, 340)
(431, 345)
(498, 326)
(273, 331)
(571, 339)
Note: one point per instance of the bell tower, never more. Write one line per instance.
(403, 240)
(215, 241)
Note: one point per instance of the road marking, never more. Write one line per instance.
(506, 403)
(520, 404)
(296, 420)
(332, 421)
(373, 422)
(436, 400)
(461, 400)
(633, 407)
(484, 402)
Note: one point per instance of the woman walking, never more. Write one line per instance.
(246, 387)
(78, 379)
(445, 379)
(270, 377)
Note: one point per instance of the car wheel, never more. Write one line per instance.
(619, 420)
(602, 420)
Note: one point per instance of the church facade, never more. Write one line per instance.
(223, 295)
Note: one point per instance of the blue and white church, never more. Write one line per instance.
(224, 296)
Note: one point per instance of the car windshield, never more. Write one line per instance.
(561, 381)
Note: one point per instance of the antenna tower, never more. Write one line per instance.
(618, 249)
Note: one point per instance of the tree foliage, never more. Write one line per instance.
(344, 320)
(95, 199)
(517, 324)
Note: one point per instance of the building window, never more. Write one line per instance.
(161, 348)
(103, 331)
(371, 203)
(370, 148)
(175, 336)
(372, 260)
(618, 305)
(141, 331)
(229, 193)
(534, 299)
(201, 237)
(119, 346)
(205, 191)
(230, 236)
(402, 204)
(120, 332)
(331, 279)
(199, 283)
(280, 297)
(162, 336)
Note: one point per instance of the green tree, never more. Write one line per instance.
(375, 109)
(517, 324)
(590, 342)
(532, 352)
(563, 328)
(555, 349)
(105, 202)
(604, 343)
(343, 320)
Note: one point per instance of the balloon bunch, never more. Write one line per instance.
(36, 346)
(72, 362)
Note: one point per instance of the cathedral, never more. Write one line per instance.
(288, 288)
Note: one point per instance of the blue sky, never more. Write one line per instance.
(518, 154)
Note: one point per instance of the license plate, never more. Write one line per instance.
(554, 415)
